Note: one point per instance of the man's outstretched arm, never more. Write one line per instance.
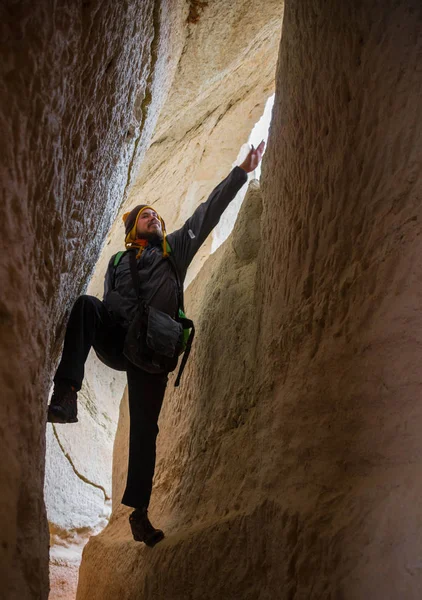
(186, 241)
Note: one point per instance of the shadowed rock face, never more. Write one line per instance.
(289, 459)
(84, 82)
(341, 282)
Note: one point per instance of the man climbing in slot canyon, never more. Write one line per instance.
(140, 328)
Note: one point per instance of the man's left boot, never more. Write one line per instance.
(142, 530)
(63, 406)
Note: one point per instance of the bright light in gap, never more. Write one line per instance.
(258, 133)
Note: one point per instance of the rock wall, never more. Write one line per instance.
(289, 459)
(224, 76)
(341, 285)
(216, 96)
(83, 84)
(191, 427)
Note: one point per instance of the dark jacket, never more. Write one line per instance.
(158, 281)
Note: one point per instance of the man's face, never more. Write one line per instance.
(148, 226)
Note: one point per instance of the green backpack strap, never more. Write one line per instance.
(118, 257)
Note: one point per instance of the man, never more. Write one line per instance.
(103, 326)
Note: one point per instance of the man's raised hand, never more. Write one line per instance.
(254, 158)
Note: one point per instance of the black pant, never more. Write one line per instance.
(91, 325)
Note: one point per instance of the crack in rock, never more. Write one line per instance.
(75, 470)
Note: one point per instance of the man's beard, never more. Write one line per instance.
(154, 238)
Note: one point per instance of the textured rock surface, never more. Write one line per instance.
(82, 83)
(225, 282)
(225, 74)
(228, 85)
(92, 437)
(341, 281)
(78, 475)
(290, 457)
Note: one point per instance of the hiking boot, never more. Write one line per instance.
(142, 530)
(63, 406)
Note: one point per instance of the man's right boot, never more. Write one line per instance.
(63, 406)
(142, 529)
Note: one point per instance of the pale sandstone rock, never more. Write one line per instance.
(85, 449)
(85, 513)
(289, 459)
(83, 86)
(225, 75)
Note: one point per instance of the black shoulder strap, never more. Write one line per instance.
(186, 323)
(178, 281)
(134, 273)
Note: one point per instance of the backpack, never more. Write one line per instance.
(187, 324)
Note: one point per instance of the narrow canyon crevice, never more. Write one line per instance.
(191, 148)
(289, 459)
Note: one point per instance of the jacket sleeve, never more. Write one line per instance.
(186, 241)
(108, 280)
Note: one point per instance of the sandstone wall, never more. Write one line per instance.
(199, 423)
(216, 96)
(223, 79)
(82, 84)
(341, 281)
(289, 459)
